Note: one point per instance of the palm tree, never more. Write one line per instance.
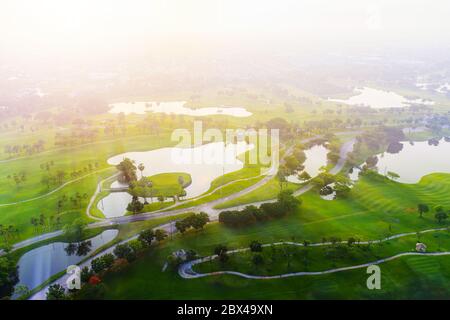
(141, 168)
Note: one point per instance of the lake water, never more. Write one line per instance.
(39, 264)
(316, 157)
(380, 99)
(204, 163)
(416, 160)
(175, 107)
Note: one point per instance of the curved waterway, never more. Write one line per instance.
(39, 264)
(316, 158)
(204, 164)
(175, 107)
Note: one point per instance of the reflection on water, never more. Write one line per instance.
(379, 99)
(39, 264)
(175, 107)
(204, 163)
(414, 160)
(316, 158)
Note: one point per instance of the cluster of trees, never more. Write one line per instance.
(341, 184)
(18, 178)
(81, 248)
(8, 275)
(42, 223)
(76, 137)
(89, 168)
(76, 200)
(25, 149)
(74, 231)
(8, 233)
(109, 262)
(127, 170)
(195, 220)
(286, 203)
(292, 164)
(376, 140)
(440, 214)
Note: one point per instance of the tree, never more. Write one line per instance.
(281, 175)
(221, 252)
(287, 201)
(124, 251)
(256, 246)
(181, 226)
(86, 273)
(441, 216)
(21, 290)
(198, 221)
(257, 260)
(8, 275)
(304, 176)
(102, 263)
(422, 208)
(74, 231)
(160, 234)
(135, 205)
(141, 168)
(393, 175)
(56, 292)
(146, 237)
(127, 171)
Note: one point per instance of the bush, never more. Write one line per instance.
(196, 221)
(125, 251)
(102, 263)
(56, 292)
(146, 237)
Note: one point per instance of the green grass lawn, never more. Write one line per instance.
(268, 191)
(222, 192)
(76, 158)
(167, 184)
(19, 215)
(376, 208)
(283, 259)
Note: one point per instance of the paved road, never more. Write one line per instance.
(189, 274)
(206, 207)
(185, 270)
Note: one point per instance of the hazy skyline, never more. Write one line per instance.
(51, 27)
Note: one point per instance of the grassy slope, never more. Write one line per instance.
(374, 205)
(20, 214)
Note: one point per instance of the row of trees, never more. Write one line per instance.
(24, 149)
(196, 221)
(286, 203)
(43, 223)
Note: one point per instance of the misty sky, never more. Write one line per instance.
(69, 26)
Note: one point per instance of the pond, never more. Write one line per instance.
(316, 157)
(379, 99)
(415, 160)
(39, 264)
(175, 107)
(204, 164)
